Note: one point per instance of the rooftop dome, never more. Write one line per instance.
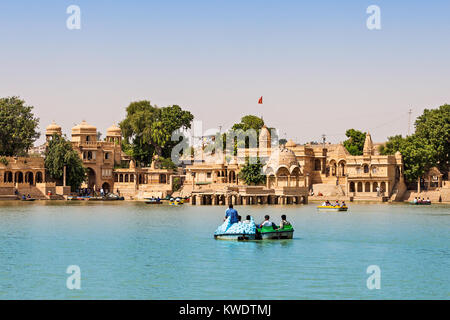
(291, 144)
(282, 157)
(53, 128)
(113, 131)
(84, 127)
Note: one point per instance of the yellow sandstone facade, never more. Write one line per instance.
(293, 172)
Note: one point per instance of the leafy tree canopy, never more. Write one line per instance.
(59, 153)
(427, 147)
(249, 122)
(147, 129)
(18, 127)
(355, 142)
(251, 173)
(433, 126)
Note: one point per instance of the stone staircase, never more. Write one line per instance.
(33, 192)
(442, 195)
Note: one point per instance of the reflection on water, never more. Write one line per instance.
(135, 251)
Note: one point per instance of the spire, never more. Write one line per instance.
(368, 145)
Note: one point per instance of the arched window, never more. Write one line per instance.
(106, 155)
(360, 187)
(352, 186)
(366, 168)
(126, 178)
(367, 187)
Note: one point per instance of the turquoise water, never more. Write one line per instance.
(129, 250)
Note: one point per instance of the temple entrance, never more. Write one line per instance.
(91, 177)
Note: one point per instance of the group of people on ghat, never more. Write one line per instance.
(418, 200)
(236, 218)
(337, 204)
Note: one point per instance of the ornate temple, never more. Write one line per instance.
(294, 173)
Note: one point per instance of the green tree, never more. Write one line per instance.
(355, 142)
(418, 157)
(251, 173)
(433, 126)
(59, 153)
(249, 122)
(147, 129)
(393, 145)
(427, 147)
(18, 127)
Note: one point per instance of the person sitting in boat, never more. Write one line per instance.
(28, 196)
(266, 222)
(232, 213)
(23, 197)
(343, 204)
(239, 219)
(415, 200)
(337, 203)
(284, 222)
(428, 200)
(248, 219)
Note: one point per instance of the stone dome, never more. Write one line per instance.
(291, 144)
(84, 127)
(52, 129)
(114, 131)
(282, 157)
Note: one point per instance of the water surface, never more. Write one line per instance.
(129, 250)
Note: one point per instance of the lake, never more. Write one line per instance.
(130, 250)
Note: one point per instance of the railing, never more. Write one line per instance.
(93, 143)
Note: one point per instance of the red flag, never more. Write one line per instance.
(260, 100)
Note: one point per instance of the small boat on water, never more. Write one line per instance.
(153, 201)
(28, 199)
(270, 233)
(420, 203)
(332, 208)
(81, 198)
(108, 197)
(176, 202)
(249, 231)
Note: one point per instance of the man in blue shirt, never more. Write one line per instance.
(232, 213)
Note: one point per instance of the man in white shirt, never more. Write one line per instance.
(266, 222)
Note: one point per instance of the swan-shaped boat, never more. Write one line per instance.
(242, 231)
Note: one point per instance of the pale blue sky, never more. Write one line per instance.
(318, 67)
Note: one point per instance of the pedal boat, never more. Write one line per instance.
(152, 201)
(332, 208)
(420, 203)
(264, 233)
(269, 233)
(176, 202)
